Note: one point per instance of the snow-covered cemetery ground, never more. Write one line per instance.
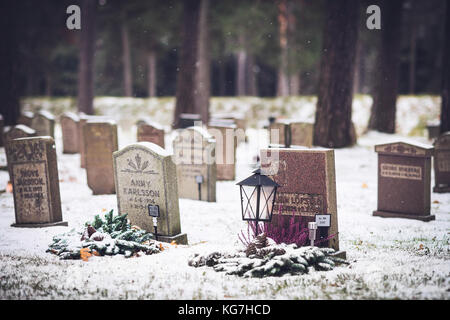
(389, 258)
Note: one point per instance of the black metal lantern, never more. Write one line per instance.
(258, 194)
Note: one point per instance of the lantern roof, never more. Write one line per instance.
(258, 179)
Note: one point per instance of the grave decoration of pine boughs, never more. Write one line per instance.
(264, 258)
(109, 236)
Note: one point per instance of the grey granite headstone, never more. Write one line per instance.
(35, 182)
(146, 175)
(16, 132)
(44, 123)
(194, 155)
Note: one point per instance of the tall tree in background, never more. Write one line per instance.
(333, 126)
(445, 106)
(126, 55)
(382, 117)
(9, 53)
(282, 76)
(193, 87)
(86, 64)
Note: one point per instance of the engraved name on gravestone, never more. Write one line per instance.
(35, 182)
(16, 132)
(100, 141)
(224, 134)
(301, 134)
(150, 132)
(69, 127)
(44, 123)
(146, 175)
(194, 155)
(404, 181)
(442, 163)
(307, 188)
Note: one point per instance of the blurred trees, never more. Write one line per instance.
(255, 47)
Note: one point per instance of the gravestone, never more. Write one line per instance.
(224, 134)
(16, 132)
(442, 163)
(26, 117)
(44, 123)
(194, 152)
(404, 174)
(83, 118)
(69, 127)
(35, 182)
(434, 129)
(279, 134)
(146, 175)
(307, 189)
(148, 131)
(100, 141)
(301, 134)
(187, 120)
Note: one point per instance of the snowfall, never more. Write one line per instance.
(389, 258)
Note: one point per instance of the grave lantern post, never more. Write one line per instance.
(258, 194)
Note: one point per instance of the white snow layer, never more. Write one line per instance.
(390, 258)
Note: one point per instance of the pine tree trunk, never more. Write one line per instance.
(241, 57)
(151, 69)
(334, 106)
(282, 78)
(86, 64)
(294, 84)
(192, 94)
(445, 106)
(9, 64)
(203, 64)
(252, 88)
(412, 59)
(383, 111)
(126, 60)
(222, 77)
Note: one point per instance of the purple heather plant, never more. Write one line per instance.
(296, 232)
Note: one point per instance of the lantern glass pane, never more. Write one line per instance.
(266, 202)
(249, 196)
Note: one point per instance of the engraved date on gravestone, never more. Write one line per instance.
(443, 161)
(138, 194)
(399, 171)
(303, 204)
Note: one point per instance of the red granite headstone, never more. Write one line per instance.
(69, 127)
(100, 141)
(404, 181)
(148, 131)
(307, 187)
(442, 163)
